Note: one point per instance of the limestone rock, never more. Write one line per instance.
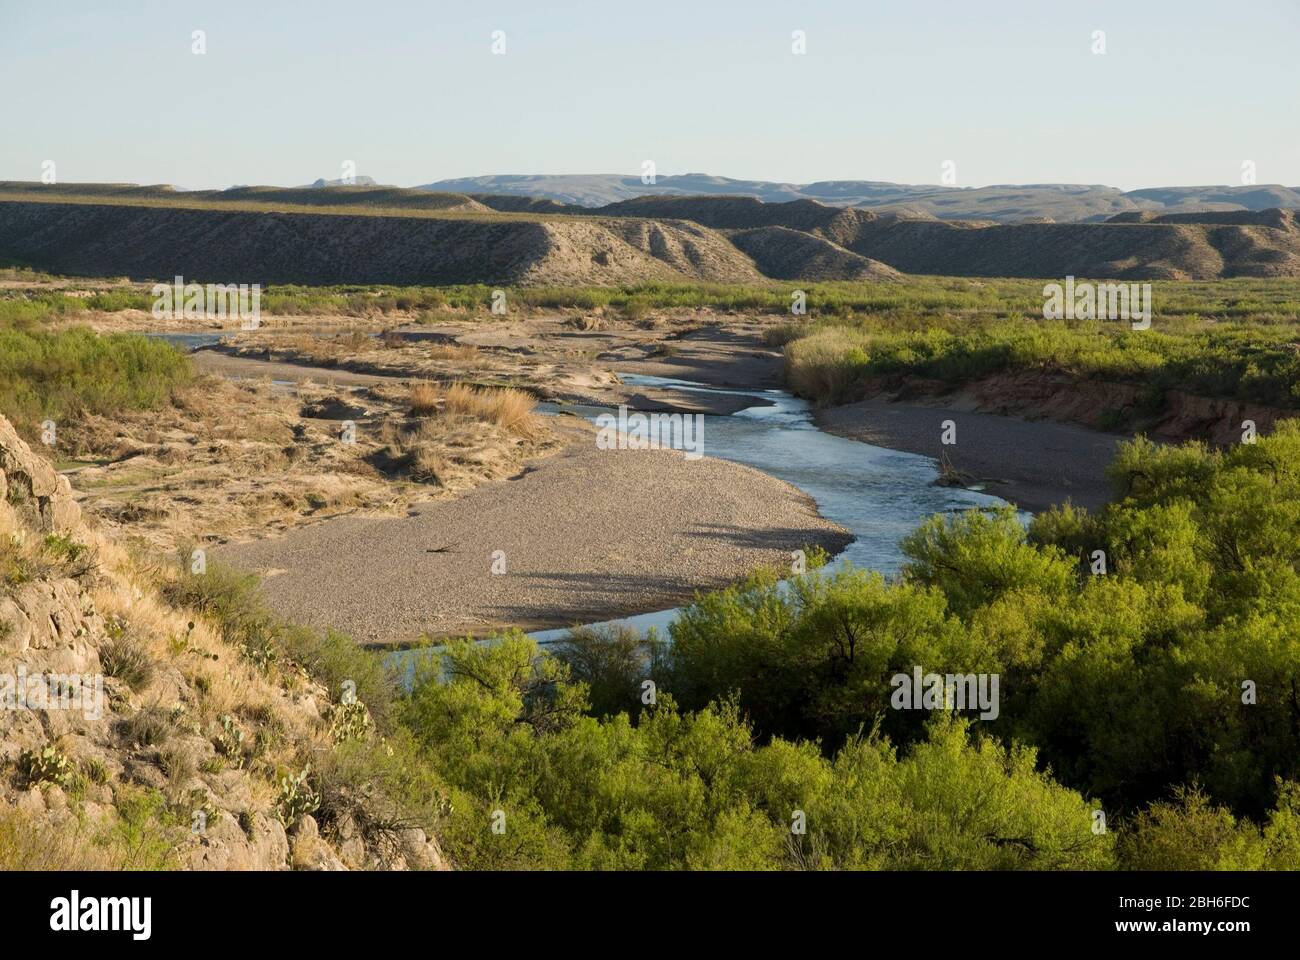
(31, 486)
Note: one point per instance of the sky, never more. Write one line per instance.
(412, 92)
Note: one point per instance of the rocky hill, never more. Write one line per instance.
(786, 254)
(134, 735)
(1142, 246)
(247, 245)
(1141, 251)
(1226, 199)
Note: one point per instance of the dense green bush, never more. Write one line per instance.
(692, 790)
(60, 376)
(1191, 833)
(838, 363)
(1179, 663)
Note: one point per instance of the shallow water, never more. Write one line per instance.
(189, 341)
(876, 494)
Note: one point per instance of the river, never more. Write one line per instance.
(876, 494)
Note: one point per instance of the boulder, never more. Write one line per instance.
(29, 483)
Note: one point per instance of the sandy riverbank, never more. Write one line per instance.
(586, 534)
(1034, 464)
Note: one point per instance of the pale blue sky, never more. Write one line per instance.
(411, 92)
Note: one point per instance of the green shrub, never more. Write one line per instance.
(694, 790)
(296, 798)
(46, 765)
(614, 663)
(61, 376)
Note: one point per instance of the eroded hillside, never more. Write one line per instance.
(1192, 246)
(271, 246)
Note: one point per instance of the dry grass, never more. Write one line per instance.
(224, 460)
(589, 322)
(455, 452)
(317, 349)
(426, 399)
(34, 845)
(182, 645)
(508, 408)
(419, 453)
(459, 435)
(239, 460)
(505, 407)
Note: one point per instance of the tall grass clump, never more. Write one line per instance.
(508, 408)
(425, 399)
(826, 365)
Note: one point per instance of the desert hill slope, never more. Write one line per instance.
(153, 240)
(786, 254)
(1173, 246)
(1249, 197)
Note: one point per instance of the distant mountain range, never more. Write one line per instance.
(1059, 202)
(395, 235)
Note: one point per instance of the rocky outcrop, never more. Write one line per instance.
(1201, 245)
(121, 716)
(29, 483)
